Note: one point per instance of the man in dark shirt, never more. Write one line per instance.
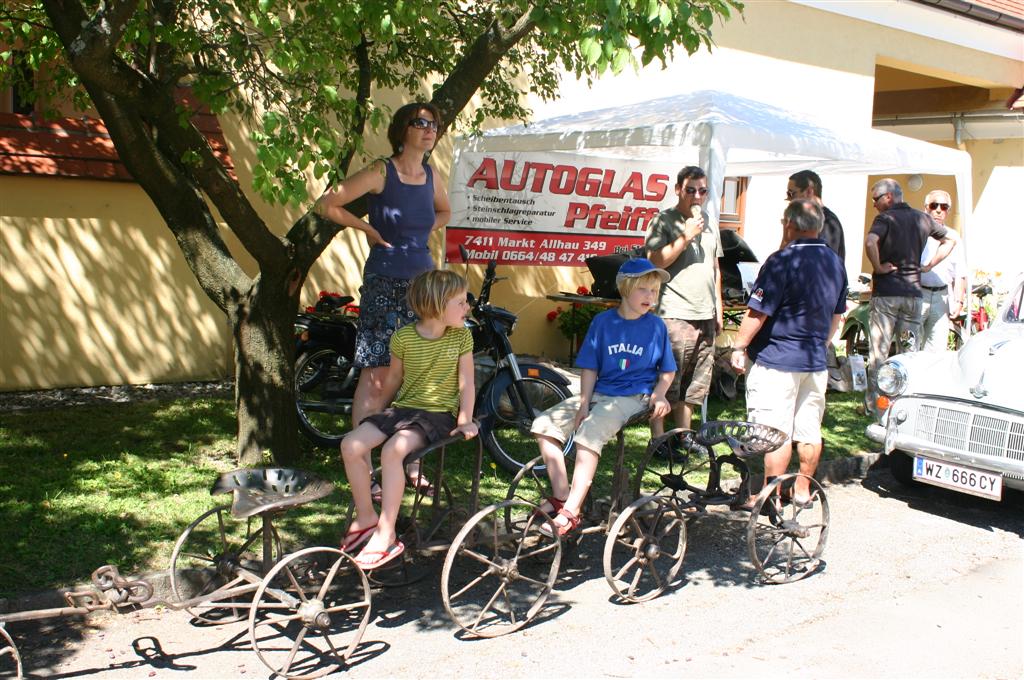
(793, 312)
(807, 184)
(894, 245)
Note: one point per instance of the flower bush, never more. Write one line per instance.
(574, 321)
(330, 303)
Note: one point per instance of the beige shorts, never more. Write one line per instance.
(607, 416)
(791, 402)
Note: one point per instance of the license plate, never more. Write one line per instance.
(965, 480)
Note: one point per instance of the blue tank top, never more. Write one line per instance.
(404, 215)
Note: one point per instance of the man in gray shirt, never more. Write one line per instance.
(683, 241)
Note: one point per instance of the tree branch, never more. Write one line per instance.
(477, 63)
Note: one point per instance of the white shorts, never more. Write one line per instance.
(606, 417)
(791, 402)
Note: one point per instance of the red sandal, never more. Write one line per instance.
(571, 523)
(556, 505)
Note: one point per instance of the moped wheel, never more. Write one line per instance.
(645, 548)
(506, 419)
(324, 384)
(857, 342)
(9, 649)
(785, 540)
(496, 581)
(309, 613)
(218, 552)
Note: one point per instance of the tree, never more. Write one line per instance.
(304, 72)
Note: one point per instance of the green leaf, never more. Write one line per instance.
(622, 57)
(590, 50)
(665, 15)
(331, 93)
(270, 122)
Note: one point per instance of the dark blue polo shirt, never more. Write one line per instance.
(799, 287)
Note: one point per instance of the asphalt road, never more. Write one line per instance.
(918, 583)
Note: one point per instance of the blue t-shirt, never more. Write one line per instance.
(799, 287)
(628, 355)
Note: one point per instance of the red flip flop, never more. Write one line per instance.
(355, 538)
(375, 559)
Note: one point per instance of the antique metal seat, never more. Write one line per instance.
(260, 490)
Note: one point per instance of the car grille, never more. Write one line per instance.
(974, 432)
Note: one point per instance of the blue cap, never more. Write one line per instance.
(639, 266)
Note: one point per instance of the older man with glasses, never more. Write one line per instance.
(683, 241)
(894, 245)
(943, 287)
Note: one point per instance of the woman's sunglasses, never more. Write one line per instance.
(936, 206)
(423, 124)
(694, 190)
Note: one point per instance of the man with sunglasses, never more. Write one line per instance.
(894, 245)
(940, 302)
(683, 241)
(807, 184)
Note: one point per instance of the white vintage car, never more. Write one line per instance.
(956, 419)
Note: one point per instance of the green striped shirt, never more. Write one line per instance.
(431, 368)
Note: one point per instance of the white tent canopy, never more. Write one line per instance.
(731, 136)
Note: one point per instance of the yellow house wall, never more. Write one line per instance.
(95, 290)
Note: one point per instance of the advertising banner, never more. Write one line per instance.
(551, 209)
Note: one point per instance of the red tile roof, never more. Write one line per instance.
(1013, 7)
(78, 147)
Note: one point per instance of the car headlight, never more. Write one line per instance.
(892, 378)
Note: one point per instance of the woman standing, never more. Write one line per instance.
(405, 206)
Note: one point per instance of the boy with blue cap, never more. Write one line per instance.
(627, 364)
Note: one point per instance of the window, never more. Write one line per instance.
(734, 200)
(15, 99)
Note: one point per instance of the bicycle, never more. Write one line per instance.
(979, 318)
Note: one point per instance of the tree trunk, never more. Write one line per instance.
(264, 379)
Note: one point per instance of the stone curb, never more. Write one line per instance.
(829, 472)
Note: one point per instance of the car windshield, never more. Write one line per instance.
(1015, 306)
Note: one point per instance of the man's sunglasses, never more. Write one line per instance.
(790, 194)
(936, 206)
(694, 190)
(875, 199)
(423, 124)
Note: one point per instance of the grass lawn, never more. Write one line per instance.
(85, 486)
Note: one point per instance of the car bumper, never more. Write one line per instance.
(955, 432)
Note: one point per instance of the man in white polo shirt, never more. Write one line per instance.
(943, 287)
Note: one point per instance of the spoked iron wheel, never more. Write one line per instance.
(218, 551)
(785, 540)
(8, 649)
(645, 548)
(309, 613)
(530, 485)
(495, 581)
(419, 530)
